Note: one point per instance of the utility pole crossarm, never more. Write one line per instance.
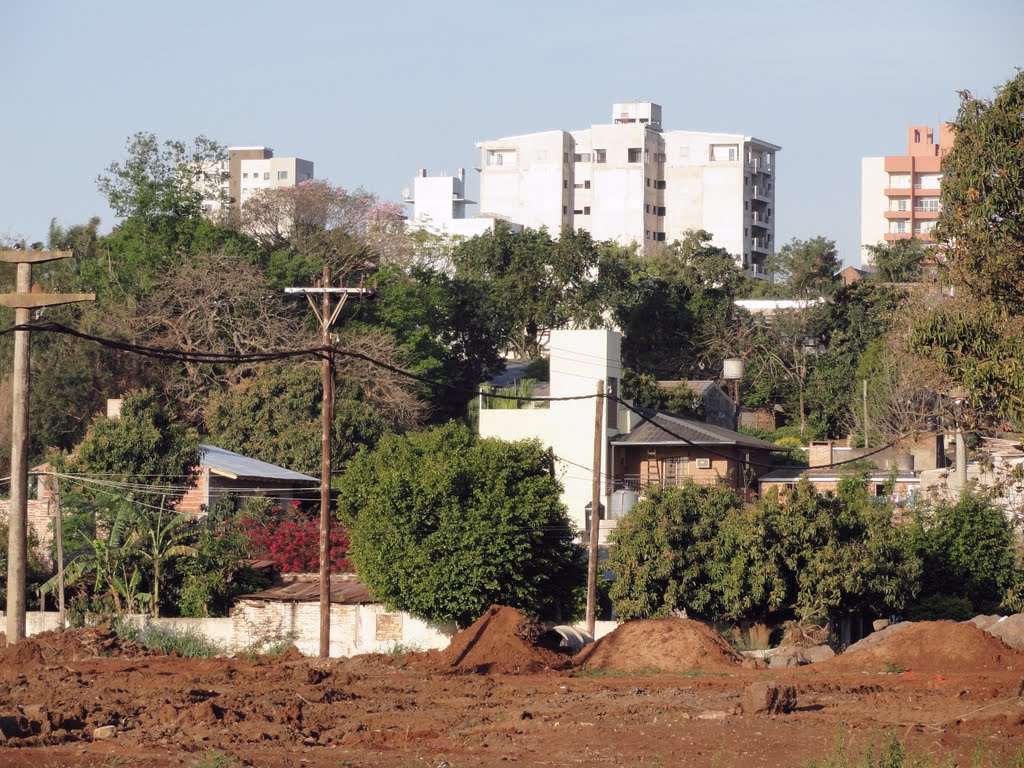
(32, 257)
(40, 300)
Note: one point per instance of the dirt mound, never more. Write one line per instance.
(501, 641)
(928, 646)
(668, 645)
(69, 645)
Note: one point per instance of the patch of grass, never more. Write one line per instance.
(215, 758)
(894, 669)
(890, 752)
(398, 651)
(188, 644)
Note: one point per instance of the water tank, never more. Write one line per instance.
(732, 368)
(623, 501)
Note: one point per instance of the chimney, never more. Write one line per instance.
(462, 174)
(819, 454)
(423, 173)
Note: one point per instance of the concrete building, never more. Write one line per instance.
(439, 206)
(248, 169)
(632, 182)
(900, 193)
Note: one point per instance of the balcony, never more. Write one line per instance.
(760, 243)
(759, 219)
(640, 484)
(898, 191)
(761, 191)
(897, 215)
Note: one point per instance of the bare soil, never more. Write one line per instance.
(493, 697)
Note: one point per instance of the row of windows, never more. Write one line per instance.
(920, 227)
(657, 236)
(281, 175)
(921, 204)
(657, 210)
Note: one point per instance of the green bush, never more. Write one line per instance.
(937, 607)
(188, 644)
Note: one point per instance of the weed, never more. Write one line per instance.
(892, 753)
(188, 644)
(398, 651)
(894, 669)
(215, 758)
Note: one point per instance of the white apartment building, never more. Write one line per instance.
(439, 206)
(632, 182)
(248, 169)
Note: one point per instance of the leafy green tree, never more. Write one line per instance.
(679, 302)
(981, 224)
(160, 536)
(536, 282)
(968, 551)
(898, 261)
(275, 417)
(443, 524)
(702, 550)
(978, 337)
(645, 392)
(138, 458)
(449, 329)
(807, 267)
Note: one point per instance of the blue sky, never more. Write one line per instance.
(372, 91)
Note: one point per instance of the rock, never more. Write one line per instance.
(786, 657)
(981, 621)
(712, 714)
(816, 654)
(753, 662)
(35, 711)
(879, 624)
(1009, 629)
(103, 732)
(768, 698)
(524, 715)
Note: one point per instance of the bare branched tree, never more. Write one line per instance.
(389, 392)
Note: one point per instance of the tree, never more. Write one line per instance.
(807, 266)
(275, 417)
(898, 261)
(160, 535)
(444, 524)
(968, 551)
(981, 224)
(678, 306)
(978, 337)
(537, 283)
(703, 550)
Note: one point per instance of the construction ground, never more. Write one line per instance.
(661, 692)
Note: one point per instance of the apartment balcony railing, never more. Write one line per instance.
(761, 219)
(640, 484)
(762, 191)
(760, 243)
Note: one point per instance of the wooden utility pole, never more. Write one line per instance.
(595, 511)
(326, 315)
(866, 414)
(24, 299)
(58, 534)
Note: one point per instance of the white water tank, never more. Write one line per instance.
(732, 369)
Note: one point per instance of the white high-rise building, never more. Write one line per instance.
(632, 182)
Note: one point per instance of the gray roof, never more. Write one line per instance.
(237, 466)
(826, 474)
(661, 428)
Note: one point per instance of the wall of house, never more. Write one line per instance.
(647, 463)
(40, 523)
(903, 490)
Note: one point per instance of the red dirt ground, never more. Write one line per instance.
(375, 711)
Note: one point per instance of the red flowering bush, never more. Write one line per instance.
(290, 537)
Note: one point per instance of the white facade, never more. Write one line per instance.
(439, 206)
(873, 204)
(248, 169)
(272, 172)
(631, 182)
(579, 359)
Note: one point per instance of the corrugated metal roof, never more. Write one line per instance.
(236, 465)
(345, 590)
(659, 428)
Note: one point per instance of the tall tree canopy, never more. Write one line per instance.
(444, 524)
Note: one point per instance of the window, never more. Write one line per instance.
(586, 210)
(565, 183)
(582, 185)
(720, 153)
(661, 210)
(266, 175)
(586, 184)
(880, 490)
(917, 137)
(600, 155)
(923, 227)
(647, 234)
(647, 156)
(565, 210)
(648, 182)
(930, 204)
(901, 204)
(578, 211)
(245, 175)
(282, 175)
(927, 181)
(659, 157)
(659, 236)
(582, 157)
(565, 157)
(899, 181)
(659, 184)
(899, 227)
(633, 155)
(501, 157)
(647, 209)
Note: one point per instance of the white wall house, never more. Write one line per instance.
(632, 182)
(439, 206)
(247, 170)
(579, 359)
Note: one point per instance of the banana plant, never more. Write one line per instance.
(161, 535)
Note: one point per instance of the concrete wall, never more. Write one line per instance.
(355, 629)
(873, 205)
